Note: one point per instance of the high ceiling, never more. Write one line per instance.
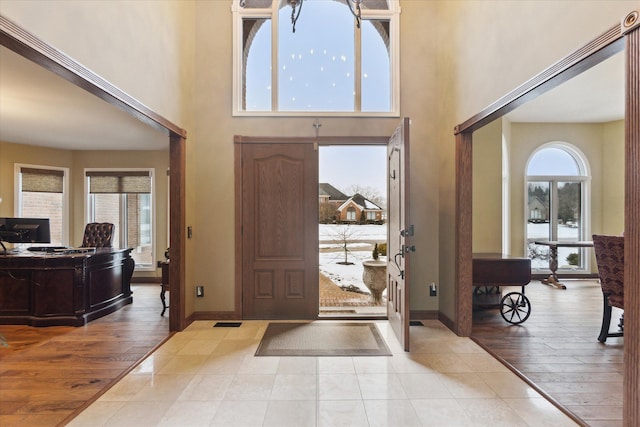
(37, 107)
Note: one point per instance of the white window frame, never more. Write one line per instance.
(506, 199)
(240, 13)
(351, 213)
(65, 194)
(88, 213)
(584, 178)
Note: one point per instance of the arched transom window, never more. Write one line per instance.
(332, 64)
(556, 204)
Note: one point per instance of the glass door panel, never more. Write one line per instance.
(538, 223)
(570, 224)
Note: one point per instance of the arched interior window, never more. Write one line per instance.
(327, 66)
(556, 205)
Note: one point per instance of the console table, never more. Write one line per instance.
(553, 245)
(47, 289)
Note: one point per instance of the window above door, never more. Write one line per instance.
(334, 64)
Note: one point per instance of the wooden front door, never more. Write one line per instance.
(279, 231)
(399, 233)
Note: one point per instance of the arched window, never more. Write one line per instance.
(556, 204)
(328, 65)
(351, 213)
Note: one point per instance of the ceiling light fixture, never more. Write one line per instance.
(354, 7)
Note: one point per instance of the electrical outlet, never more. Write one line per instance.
(199, 291)
(433, 291)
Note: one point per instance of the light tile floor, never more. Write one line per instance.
(206, 376)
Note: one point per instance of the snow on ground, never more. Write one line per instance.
(360, 239)
(369, 232)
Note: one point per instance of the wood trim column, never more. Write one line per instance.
(177, 232)
(237, 152)
(631, 387)
(463, 236)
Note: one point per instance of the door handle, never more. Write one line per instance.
(395, 261)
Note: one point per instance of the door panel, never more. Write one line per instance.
(279, 231)
(399, 233)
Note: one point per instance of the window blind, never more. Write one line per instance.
(42, 180)
(119, 182)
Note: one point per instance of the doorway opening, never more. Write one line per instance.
(352, 225)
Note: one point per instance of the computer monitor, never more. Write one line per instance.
(25, 230)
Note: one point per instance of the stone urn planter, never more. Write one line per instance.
(374, 277)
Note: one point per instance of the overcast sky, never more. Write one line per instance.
(343, 166)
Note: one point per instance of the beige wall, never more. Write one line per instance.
(25, 154)
(487, 189)
(136, 45)
(76, 161)
(456, 58)
(612, 201)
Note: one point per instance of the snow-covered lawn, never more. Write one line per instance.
(360, 240)
(370, 232)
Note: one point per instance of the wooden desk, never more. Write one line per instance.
(553, 245)
(40, 289)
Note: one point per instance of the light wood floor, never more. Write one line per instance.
(49, 374)
(557, 349)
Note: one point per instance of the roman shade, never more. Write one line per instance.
(37, 180)
(119, 182)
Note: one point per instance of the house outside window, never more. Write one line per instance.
(125, 198)
(557, 205)
(42, 192)
(327, 66)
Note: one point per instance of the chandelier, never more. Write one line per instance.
(296, 8)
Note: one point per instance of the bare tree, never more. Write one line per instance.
(344, 234)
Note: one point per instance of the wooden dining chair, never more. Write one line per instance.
(609, 252)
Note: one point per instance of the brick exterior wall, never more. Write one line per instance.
(107, 207)
(45, 205)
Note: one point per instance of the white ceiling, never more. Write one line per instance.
(38, 107)
(595, 96)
